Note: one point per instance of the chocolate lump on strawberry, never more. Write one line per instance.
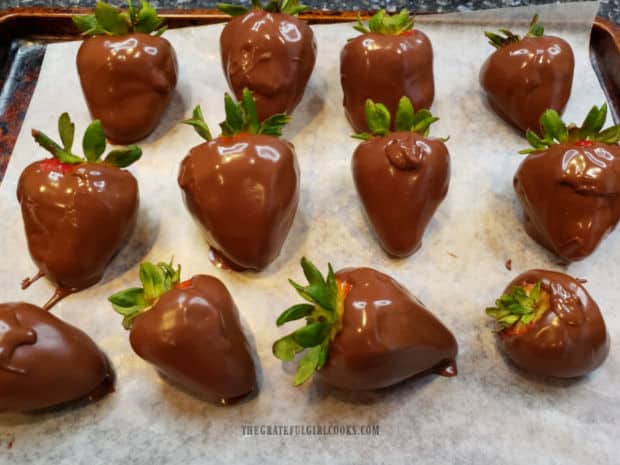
(127, 71)
(189, 331)
(414, 171)
(270, 51)
(45, 362)
(389, 60)
(77, 212)
(363, 331)
(527, 75)
(243, 186)
(549, 325)
(569, 184)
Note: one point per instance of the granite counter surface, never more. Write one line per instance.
(609, 9)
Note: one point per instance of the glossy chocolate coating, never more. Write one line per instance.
(569, 340)
(45, 362)
(385, 68)
(525, 78)
(128, 82)
(401, 180)
(193, 337)
(272, 54)
(243, 190)
(570, 196)
(387, 336)
(76, 221)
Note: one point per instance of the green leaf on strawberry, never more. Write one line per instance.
(555, 131)
(521, 306)
(407, 119)
(289, 7)
(156, 279)
(383, 23)
(93, 145)
(198, 122)
(323, 315)
(504, 36)
(66, 129)
(241, 118)
(109, 20)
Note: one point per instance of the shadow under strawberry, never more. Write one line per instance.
(77, 212)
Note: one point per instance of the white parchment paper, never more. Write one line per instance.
(489, 414)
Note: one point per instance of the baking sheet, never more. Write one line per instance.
(490, 413)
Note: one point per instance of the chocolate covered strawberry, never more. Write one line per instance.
(77, 212)
(363, 331)
(127, 71)
(189, 331)
(548, 324)
(414, 171)
(270, 51)
(389, 60)
(527, 75)
(243, 186)
(569, 184)
(45, 362)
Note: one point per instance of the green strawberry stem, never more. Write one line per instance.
(555, 131)
(93, 145)
(407, 119)
(157, 279)
(241, 117)
(505, 36)
(289, 7)
(519, 307)
(323, 315)
(109, 20)
(383, 23)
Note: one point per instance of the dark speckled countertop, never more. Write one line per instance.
(609, 8)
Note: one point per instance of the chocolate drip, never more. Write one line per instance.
(193, 336)
(385, 68)
(525, 78)
(12, 335)
(387, 336)
(27, 282)
(50, 363)
(569, 340)
(401, 179)
(273, 55)
(570, 196)
(76, 221)
(243, 190)
(128, 82)
(59, 294)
